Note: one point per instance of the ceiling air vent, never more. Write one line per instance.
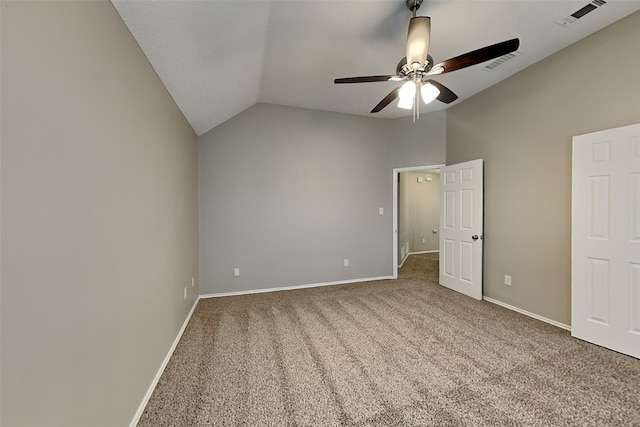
(588, 8)
(499, 61)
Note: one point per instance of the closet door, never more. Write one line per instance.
(605, 239)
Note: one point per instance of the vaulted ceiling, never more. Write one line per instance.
(217, 58)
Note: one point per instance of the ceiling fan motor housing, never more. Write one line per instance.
(406, 72)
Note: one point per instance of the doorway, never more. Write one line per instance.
(414, 235)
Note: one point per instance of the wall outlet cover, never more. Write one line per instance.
(507, 280)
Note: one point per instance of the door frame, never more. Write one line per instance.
(394, 230)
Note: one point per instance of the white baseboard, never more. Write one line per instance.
(424, 252)
(528, 313)
(288, 288)
(403, 260)
(145, 400)
(416, 253)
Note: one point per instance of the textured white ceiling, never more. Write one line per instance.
(218, 58)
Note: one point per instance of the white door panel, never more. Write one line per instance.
(605, 239)
(461, 228)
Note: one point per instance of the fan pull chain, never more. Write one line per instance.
(417, 103)
(413, 110)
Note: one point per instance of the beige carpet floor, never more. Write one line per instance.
(388, 353)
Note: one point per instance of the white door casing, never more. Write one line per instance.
(605, 239)
(461, 227)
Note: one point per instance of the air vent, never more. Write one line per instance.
(499, 61)
(588, 8)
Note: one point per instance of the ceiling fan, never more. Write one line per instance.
(416, 68)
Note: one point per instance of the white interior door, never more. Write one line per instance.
(461, 209)
(605, 239)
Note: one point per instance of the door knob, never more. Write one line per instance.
(474, 237)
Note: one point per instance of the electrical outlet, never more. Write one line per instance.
(381, 211)
(507, 280)
(185, 292)
(424, 240)
(236, 272)
(346, 262)
(193, 282)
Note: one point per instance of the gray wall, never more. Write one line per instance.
(422, 143)
(522, 128)
(99, 217)
(286, 194)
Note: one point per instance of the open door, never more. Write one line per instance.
(605, 239)
(461, 215)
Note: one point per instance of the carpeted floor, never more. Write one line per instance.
(404, 352)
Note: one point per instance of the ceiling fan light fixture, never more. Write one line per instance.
(407, 92)
(406, 103)
(429, 92)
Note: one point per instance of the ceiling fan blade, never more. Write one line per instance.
(364, 79)
(386, 100)
(418, 41)
(446, 95)
(476, 57)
